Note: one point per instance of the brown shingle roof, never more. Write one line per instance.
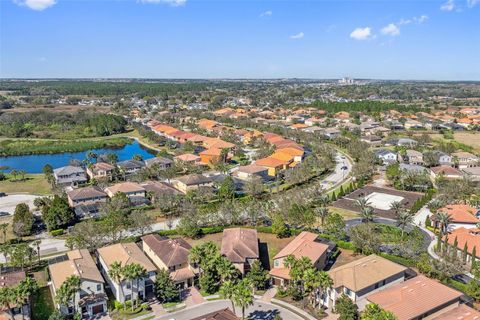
(80, 263)
(415, 297)
(304, 245)
(11, 279)
(364, 272)
(238, 244)
(85, 193)
(172, 252)
(224, 314)
(125, 253)
(462, 312)
(125, 187)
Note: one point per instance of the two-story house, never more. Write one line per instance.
(69, 176)
(362, 277)
(101, 170)
(91, 299)
(191, 182)
(306, 244)
(386, 156)
(413, 157)
(172, 255)
(126, 254)
(129, 167)
(240, 246)
(465, 160)
(86, 201)
(130, 189)
(161, 162)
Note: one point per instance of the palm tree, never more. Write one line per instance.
(226, 270)
(243, 296)
(130, 274)
(362, 203)
(396, 206)
(24, 290)
(323, 213)
(37, 245)
(195, 257)
(367, 214)
(326, 282)
(444, 219)
(73, 285)
(14, 173)
(404, 218)
(22, 173)
(115, 272)
(323, 200)
(3, 228)
(140, 272)
(227, 292)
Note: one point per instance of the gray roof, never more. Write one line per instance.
(412, 167)
(131, 164)
(68, 170)
(159, 160)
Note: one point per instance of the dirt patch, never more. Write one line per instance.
(346, 256)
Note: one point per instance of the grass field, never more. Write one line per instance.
(346, 214)
(471, 139)
(33, 183)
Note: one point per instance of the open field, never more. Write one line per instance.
(346, 214)
(267, 241)
(33, 183)
(471, 139)
(59, 108)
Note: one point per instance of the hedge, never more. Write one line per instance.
(57, 232)
(400, 260)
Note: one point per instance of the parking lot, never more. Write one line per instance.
(9, 202)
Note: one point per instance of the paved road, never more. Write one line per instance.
(260, 310)
(338, 175)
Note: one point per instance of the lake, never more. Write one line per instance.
(35, 163)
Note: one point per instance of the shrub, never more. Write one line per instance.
(57, 232)
(117, 305)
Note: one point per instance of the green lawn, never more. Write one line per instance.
(33, 183)
(346, 214)
(42, 304)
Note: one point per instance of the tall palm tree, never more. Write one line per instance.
(362, 203)
(243, 296)
(404, 218)
(130, 274)
(24, 290)
(37, 243)
(140, 273)
(226, 270)
(444, 219)
(367, 214)
(227, 291)
(3, 228)
(73, 285)
(396, 206)
(115, 272)
(323, 213)
(326, 282)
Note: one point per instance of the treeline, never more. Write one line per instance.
(62, 125)
(95, 88)
(364, 106)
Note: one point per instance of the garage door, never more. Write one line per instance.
(97, 309)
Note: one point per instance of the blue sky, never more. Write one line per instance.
(384, 39)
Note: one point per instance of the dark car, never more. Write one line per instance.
(3, 194)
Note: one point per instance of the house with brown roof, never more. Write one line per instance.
(19, 311)
(91, 299)
(130, 189)
(126, 254)
(462, 312)
(251, 172)
(360, 278)
(465, 159)
(87, 195)
(306, 244)
(417, 298)
(191, 182)
(172, 255)
(224, 314)
(100, 170)
(446, 172)
(240, 247)
(188, 158)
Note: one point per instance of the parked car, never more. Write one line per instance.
(3, 194)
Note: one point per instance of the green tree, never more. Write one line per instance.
(257, 276)
(243, 296)
(165, 289)
(59, 214)
(335, 225)
(279, 227)
(227, 291)
(115, 272)
(23, 220)
(226, 189)
(345, 308)
(374, 312)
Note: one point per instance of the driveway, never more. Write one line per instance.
(260, 310)
(8, 203)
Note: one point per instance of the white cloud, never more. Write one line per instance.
(391, 30)
(267, 13)
(299, 35)
(361, 33)
(404, 22)
(37, 5)
(173, 3)
(420, 19)
(472, 3)
(448, 6)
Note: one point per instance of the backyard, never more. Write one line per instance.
(33, 184)
(42, 304)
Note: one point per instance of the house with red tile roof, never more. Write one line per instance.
(461, 216)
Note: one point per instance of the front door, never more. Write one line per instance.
(97, 309)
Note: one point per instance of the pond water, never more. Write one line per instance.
(35, 163)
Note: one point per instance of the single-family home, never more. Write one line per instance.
(240, 246)
(101, 170)
(446, 172)
(157, 189)
(417, 298)
(386, 156)
(191, 182)
(129, 167)
(331, 133)
(130, 189)
(465, 159)
(360, 278)
(87, 195)
(161, 162)
(126, 254)
(251, 172)
(212, 156)
(91, 299)
(172, 255)
(69, 176)
(444, 159)
(461, 312)
(461, 215)
(468, 238)
(306, 244)
(273, 165)
(413, 157)
(372, 140)
(188, 158)
(224, 314)
(473, 173)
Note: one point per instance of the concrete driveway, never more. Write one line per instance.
(259, 311)
(8, 203)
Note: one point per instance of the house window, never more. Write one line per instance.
(128, 285)
(128, 297)
(99, 287)
(347, 291)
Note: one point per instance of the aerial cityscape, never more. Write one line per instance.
(225, 160)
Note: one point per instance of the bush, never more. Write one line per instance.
(57, 232)
(117, 305)
(400, 260)
(171, 232)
